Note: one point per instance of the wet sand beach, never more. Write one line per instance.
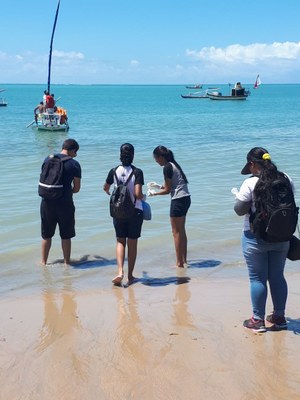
(175, 337)
(67, 333)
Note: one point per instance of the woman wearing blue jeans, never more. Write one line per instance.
(265, 261)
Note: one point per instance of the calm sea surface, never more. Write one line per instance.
(210, 140)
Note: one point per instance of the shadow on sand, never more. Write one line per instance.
(293, 325)
(92, 261)
(170, 280)
(203, 263)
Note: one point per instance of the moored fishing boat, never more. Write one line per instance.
(238, 93)
(56, 121)
(195, 95)
(220, 96)
(197, 86)
(3, 102)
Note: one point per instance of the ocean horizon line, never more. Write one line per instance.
(141, 84)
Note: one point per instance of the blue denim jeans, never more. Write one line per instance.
(265, 262)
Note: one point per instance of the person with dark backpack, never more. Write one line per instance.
(60, 177)
(266, 199)
(126, 209)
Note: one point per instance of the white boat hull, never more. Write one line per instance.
(52, 128)
(51, 122)
(221, 97)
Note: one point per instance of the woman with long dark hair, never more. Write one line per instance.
(176, 184)
(265, 260)
(127, 230)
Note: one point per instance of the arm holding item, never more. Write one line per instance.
(241, 207)
(165, 189)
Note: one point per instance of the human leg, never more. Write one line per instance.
(180, 240)
(277, 282)
(66, 249)
(48, 225)
(66, 223)
(134, 232)
(132, 253)
(46, 246)
(120, 254)
(256, 256)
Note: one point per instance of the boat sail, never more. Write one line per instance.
(257, 82)
(51, 118)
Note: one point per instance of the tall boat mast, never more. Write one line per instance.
(51, 42)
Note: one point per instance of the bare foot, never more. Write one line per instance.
(117, 279)
(132, 280)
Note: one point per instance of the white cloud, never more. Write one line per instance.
(68, 54)
(276, 62)
(249, 54)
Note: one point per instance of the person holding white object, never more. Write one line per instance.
(153, 185)
(176, 184)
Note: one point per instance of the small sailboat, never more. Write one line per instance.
(257, 82)
(51, 118)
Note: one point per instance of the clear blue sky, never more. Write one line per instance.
(151, 41)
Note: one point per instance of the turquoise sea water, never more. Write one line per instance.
(210, 140)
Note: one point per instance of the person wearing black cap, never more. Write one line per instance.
(265, 261)
(129, 230)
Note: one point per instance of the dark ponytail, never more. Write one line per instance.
(167, 154)
(126, 154)
(268, 172)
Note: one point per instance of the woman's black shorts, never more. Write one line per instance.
(179, 207)
(129, 228)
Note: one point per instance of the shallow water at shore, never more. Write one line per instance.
(210, 141)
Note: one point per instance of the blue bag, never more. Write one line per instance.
(147, 215)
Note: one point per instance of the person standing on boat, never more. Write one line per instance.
(44, 97)
(40, 108)
(62, 211)
(176, 184)
(50, 103)
(127, 230)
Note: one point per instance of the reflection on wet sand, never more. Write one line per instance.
(181, 315)
(60, 329)
(129, 336)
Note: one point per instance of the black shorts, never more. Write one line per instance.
(53, 213)
(179, 207)
(129, 228)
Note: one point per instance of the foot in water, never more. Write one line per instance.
(132, 280)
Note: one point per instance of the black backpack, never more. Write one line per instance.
(121, 204)
(51, 178)
(275, 220)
